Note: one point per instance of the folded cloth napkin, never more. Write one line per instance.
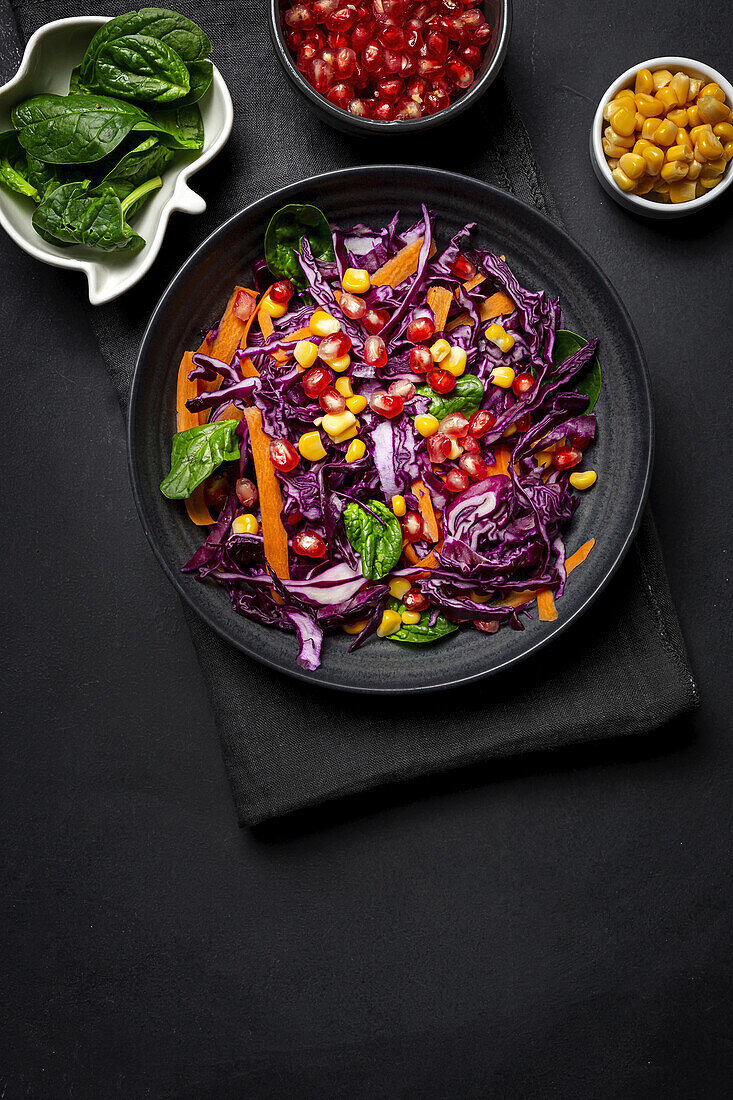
(289, 745)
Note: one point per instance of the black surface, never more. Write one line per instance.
(557, 926)
(540, 255)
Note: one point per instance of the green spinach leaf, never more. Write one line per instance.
(589, 380)
(44, 177)
(420, 633)
(74, 215)
(169, 27)
(288, 226)
(140, 67)
(14, 172)
(378, 544)
(200, 75)
(466, 397)
(196, 453)
(76, 86)
(147, 160)
(181, 127)
(74, 129)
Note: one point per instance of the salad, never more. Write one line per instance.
(384, 437)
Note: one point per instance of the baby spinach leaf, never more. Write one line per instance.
(288, 226)
(181, 127)
(196, 453)
(589, 380)
(147, 160)
(14, 172)
(76, 87)
(74, 215)
(137, 66)
(169, 27)
(378, 544)
(422, 632)
(44, 177)
(74, 129)
(200, 75)
(466, 397)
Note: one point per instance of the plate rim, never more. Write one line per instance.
(286, 193)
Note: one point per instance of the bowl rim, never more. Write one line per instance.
(398, 126)
(181, 199)
(639, 202)
(220, 626)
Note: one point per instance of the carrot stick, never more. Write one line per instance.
(440, 300)
(517, 599)
(579, 556)
(425, 504)
(266, 326)
(546, 606)
(501, 465)
(185, 389)
(495, 306)
(284, 355)
(231, 328)
(430, 561)
(271, 505)
(401, 266)
(197, 508)
(409, 551)
(474, 282)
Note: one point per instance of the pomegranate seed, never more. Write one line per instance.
(244, 306)
(359, 108)
(283, 455)
(402, 388)
(331, 401)
(315, 381)
(352, 307)
(306, 54)
(524, 423)
(375, 320)
(345, 62)
(420, 330)
(392, 35)
(309, 545)
(343, 19)
(337, 40)
(246, 491)
(523, 383)
(416, 88)
(451, 7)
(454, 425)
(412, 526)
(474, 466)
(413, 41)
(373, 58)
(333, 347)
(321, 75)
(436, 100)
(315, 38)
(375, 352)
(390, 88)
(300, 17)
(414, 600)
(216, 491)
(472, 56)
(437, 44)
(430, 68)
(364, 12)
(482, 35)
(566, 457)
(481, 422)
(341, 95)
(407, 109)
(457, 481)
(577, 441)
(471, 445)
(460, 74)
(462, 267)
(452, 27)
(392, 61)
(281, 291)
(491, 627)
(383, 111)
(421, 360)
(395, 9)
(439, 447)
(441, 381)
(386, 404)
(360, 36)
(294, 39)
(322, 9)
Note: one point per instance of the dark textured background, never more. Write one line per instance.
(557, 926)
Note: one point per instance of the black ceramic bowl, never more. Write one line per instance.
(498, 15)
(542, 256)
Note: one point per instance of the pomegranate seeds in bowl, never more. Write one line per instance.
(387, 60)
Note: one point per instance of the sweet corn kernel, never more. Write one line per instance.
(714, 90)
(613, 150)
(275, 309)
(612, 163)
(621, 179)
(708, 146)
(310, 446)
(678, 116)
(583, 479)
(502, 376)
(455, 361)
(673, 171)
(666, 98)
(439, 350)
(544, 459)
(354, 628)
(713, 168)
(341, 364)
(633, 165)
(511, 430)
(712, 110)
(356, 403)
(707, 184)
(411, 618)
(666, 133)
(644, 186)
(398, 586)
(323, 324)
(660, 78)
(640, 145)
(644, 82)
(390, 624)
(638, 120)
(356, 280)
(650, 127)
(245, 525)
(623, 121)
(648, 105)
(305, 353)
(693, 115)
(683, 138)
(724, 131)
(356, 450)
(728, 150)
(499, 336)
(398, 506)
(343, 386)
(695, 86)
(336, 423)
(679, 152)
(682, 191)
(680, 85)
(654, 158)
(618, 139)
(661, 187)
(703, 128)
(694, 170)
(426, 425)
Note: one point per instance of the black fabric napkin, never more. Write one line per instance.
(288, 745)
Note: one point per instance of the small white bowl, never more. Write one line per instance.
(51, 54)
(637, 203)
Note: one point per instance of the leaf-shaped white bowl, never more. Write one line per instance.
(51, 54)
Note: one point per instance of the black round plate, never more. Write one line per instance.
(542, 256)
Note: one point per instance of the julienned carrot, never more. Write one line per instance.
(273, 533)
(477, 280)
(185, 389)
(401, 266)
(409, 551)
(517, 599)
(501, 464)
(299, 334)
(579, 556)
(197, 508)
(430, 561)
(495, 306)
(440, 300)
(425, 504)
(231, 328)
(545, 600)
(266, 326)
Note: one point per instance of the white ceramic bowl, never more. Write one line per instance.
(50, 55)
(638, 203)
